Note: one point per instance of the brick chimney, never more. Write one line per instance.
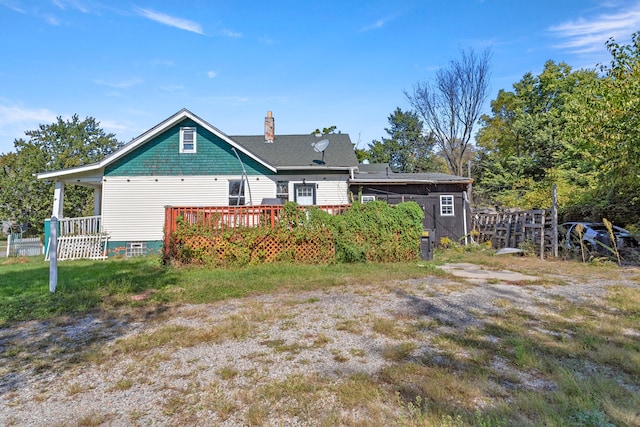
(269, 128)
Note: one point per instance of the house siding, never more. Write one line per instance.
(133, 207)
(330, 189)
(161, 157)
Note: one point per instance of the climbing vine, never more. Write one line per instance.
(375, 232)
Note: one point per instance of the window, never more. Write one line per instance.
(446, 205)
(136, 249)
(366, 199)
(187, 140)
(282, 191)
(236, 192)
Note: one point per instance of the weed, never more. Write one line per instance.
(386, 327)
(398, 352)
(93, 419)
(123, 384)
(338, 356)
(353, 326)
(228, 372)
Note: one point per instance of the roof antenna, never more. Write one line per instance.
(244, 177)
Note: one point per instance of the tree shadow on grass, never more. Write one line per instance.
(44, 334)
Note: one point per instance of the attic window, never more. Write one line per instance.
(188, 140)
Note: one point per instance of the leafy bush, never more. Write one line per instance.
(374, 231)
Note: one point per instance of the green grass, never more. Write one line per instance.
(84, 286)
(573, 363)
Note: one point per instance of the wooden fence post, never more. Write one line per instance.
(554, 220)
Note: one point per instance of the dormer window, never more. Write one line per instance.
(188, 140)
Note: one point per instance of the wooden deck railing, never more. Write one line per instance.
(225, 217)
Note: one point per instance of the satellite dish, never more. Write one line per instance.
(320, 146)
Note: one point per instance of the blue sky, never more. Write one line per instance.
(314, 64)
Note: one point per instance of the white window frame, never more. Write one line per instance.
(367, 199)
(184, 130)
(234, 198)
(282, 191)
(447, 202)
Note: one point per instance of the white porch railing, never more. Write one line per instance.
(79, 226)
(79, 238)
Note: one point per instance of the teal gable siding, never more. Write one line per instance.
(161, 157)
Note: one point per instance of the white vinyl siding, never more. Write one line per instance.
(330, 190)
(133, 207)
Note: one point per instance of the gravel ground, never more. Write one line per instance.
(52, 374)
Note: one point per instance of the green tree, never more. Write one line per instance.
(60, 145)
(523, 143)
(407, 149)
(605, 130)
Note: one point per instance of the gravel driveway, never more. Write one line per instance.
(78, 372)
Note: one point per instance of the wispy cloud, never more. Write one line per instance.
(212, 74)
(228, 33)
(172, 21)
(171, 88)
(18, 114)
(16, 119)
(12, 5)
(51, 20)
(375, 26)
(124, 84)
(584, 35)
(71, 4)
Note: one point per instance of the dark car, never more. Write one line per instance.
(596, 237)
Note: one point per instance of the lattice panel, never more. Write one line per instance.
(264, 249)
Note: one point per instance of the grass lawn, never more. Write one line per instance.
(114, 283)
(572, 364)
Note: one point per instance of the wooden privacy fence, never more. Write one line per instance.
(230, 217)
(514, 229)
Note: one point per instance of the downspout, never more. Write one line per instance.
(464, 217)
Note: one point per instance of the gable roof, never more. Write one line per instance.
(296, 151)
(287, 152)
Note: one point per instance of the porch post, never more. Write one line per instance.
(97, 201)
(58, 200)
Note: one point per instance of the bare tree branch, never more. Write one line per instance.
(451, 105)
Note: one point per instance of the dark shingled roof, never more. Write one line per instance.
(295, 151)
(407, 178)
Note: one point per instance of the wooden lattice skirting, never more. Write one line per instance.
(266, 249)
(92, 246)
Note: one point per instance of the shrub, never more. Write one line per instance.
(374, 231)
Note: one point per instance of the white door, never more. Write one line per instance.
(304, 195)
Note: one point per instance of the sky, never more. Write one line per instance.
(314, 64)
